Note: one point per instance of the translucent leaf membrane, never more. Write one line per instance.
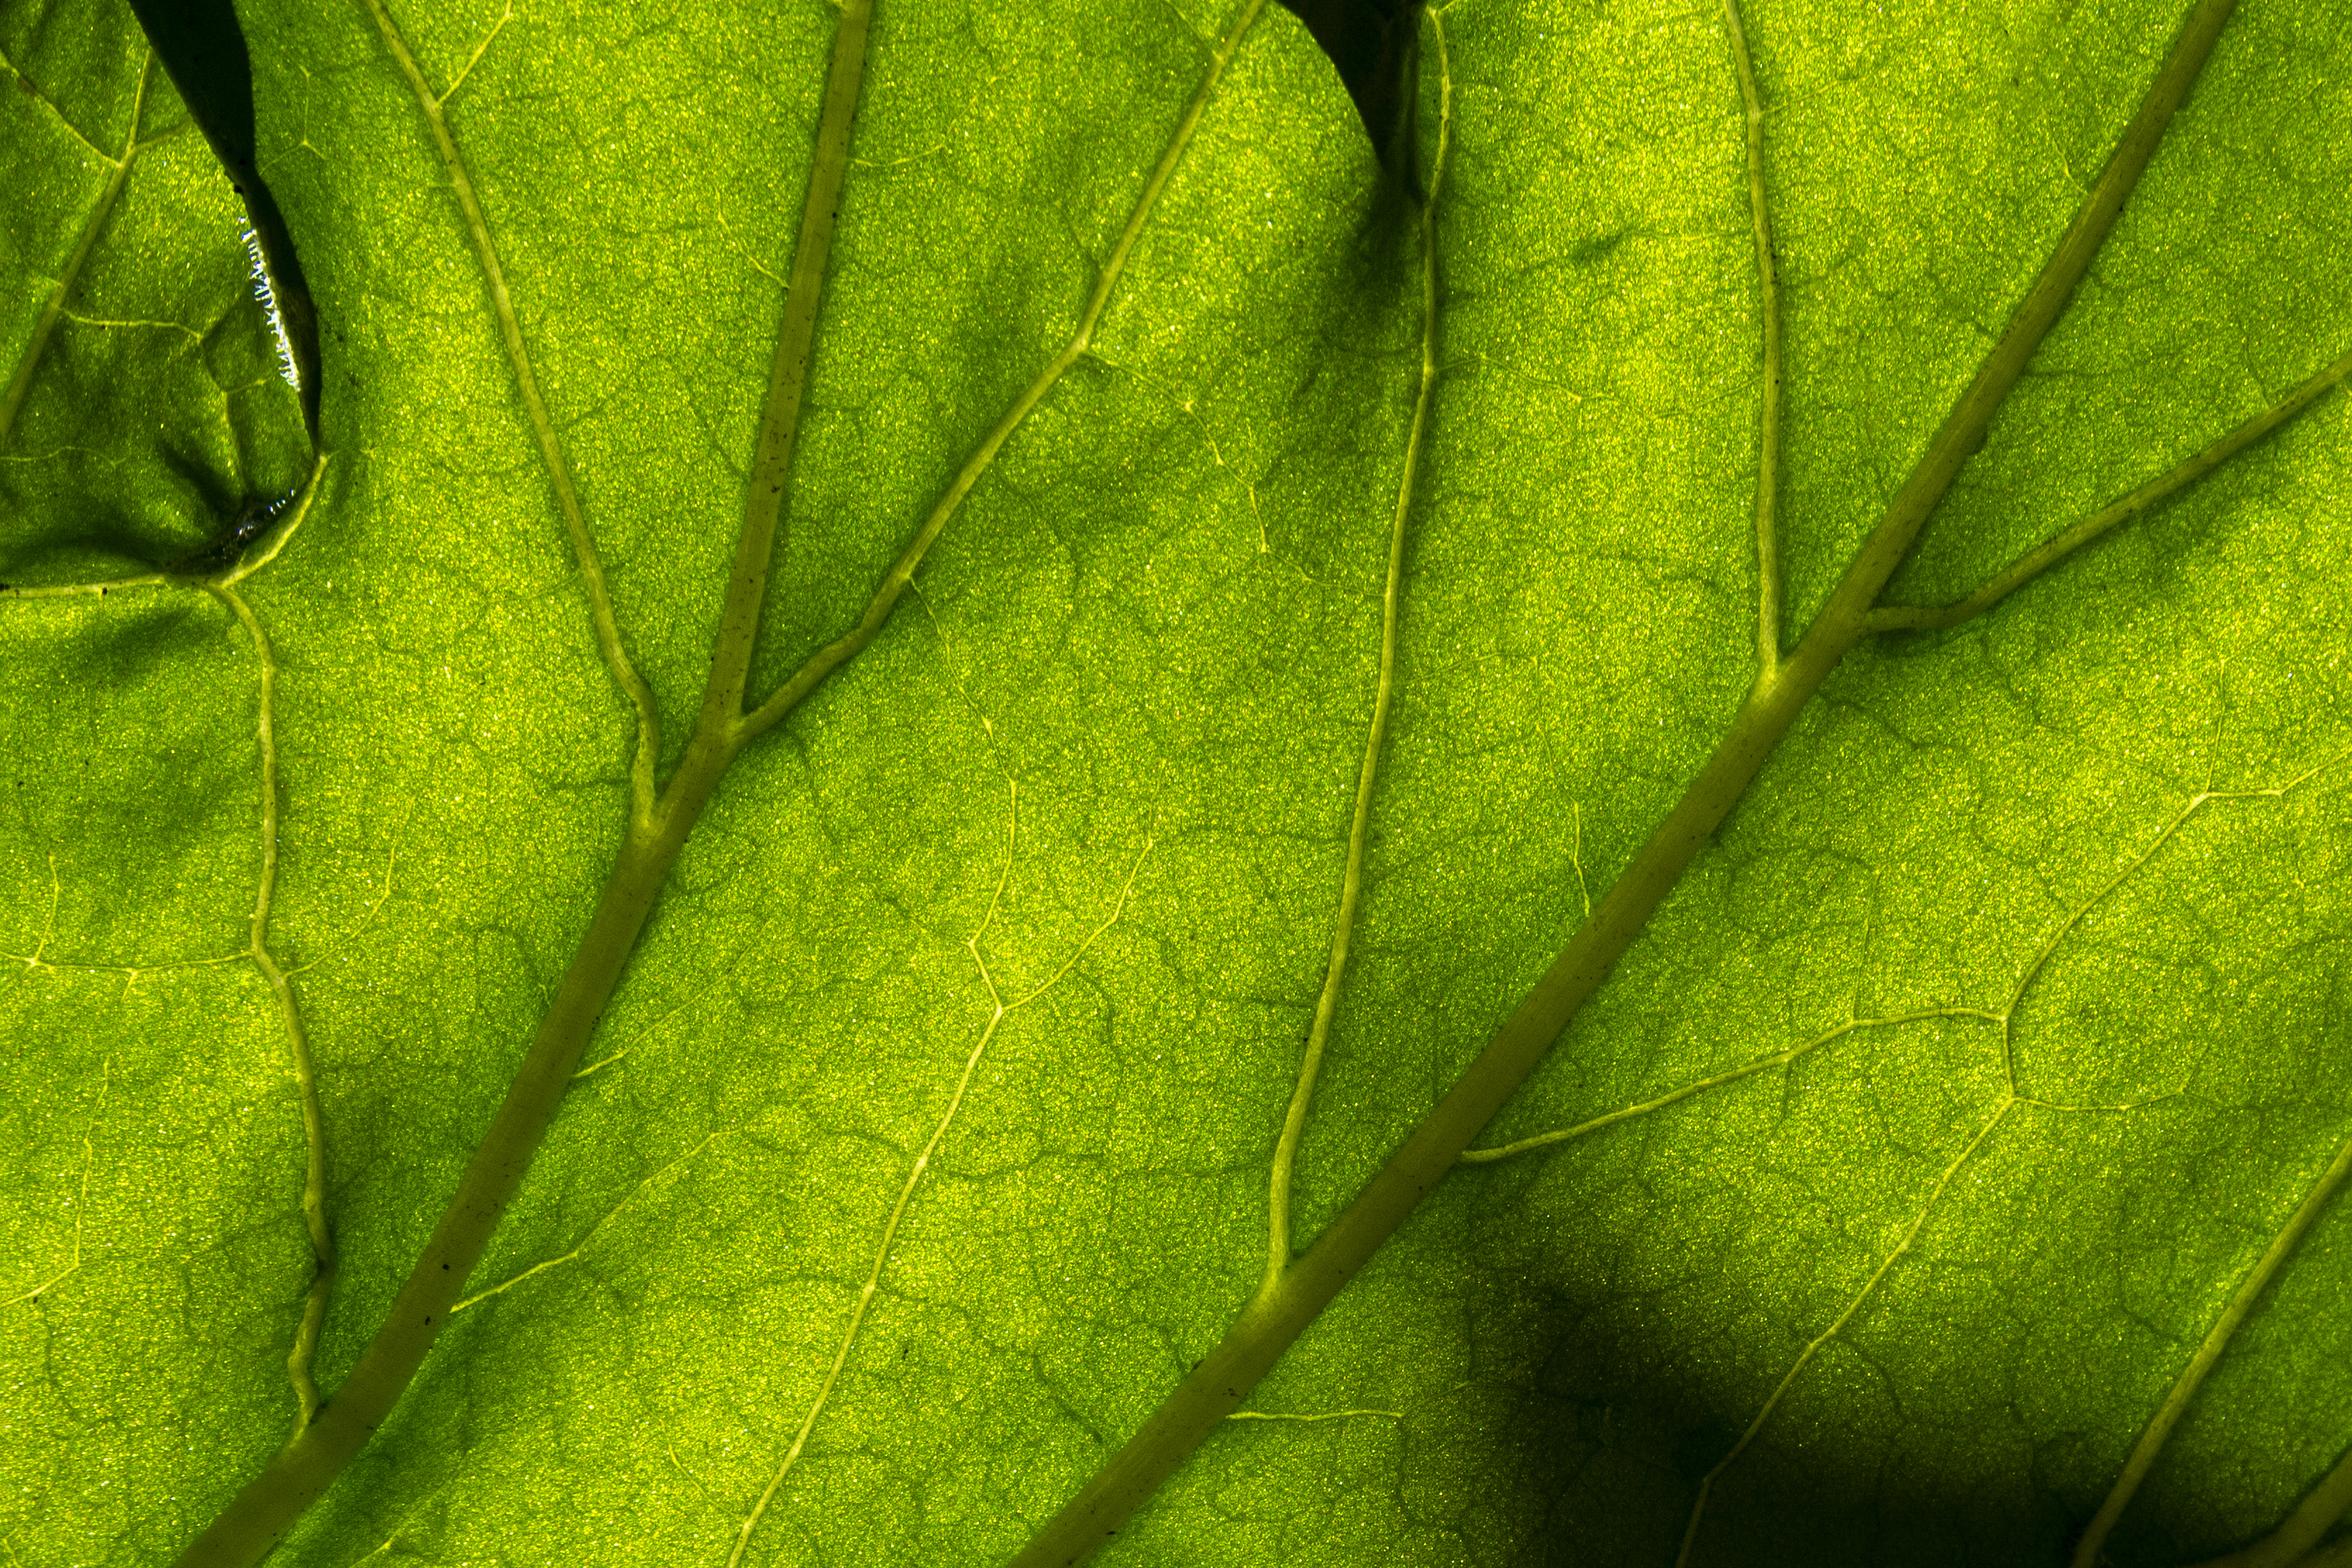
(1904, 1163)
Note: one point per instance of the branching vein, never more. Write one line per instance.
(831, 657)
(256, 950)
(297, 1044)
(2328, 1502)
(2012, 1096)
(20, 384)
(2163, 488)
(542, 426)
(998, 1010)
(1813, 1347)
(634, 1194)
(779, 415)
(1343, 924)
(34, 1292)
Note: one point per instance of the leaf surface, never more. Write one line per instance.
(926, 1143)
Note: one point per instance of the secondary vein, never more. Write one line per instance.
(780, 418)
(20, 384)
(298, 1370)
(1343, 925)
(839, 651)
(542, 426)
(1272, 1319)
(1767, 421)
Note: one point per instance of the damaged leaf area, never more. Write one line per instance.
(878, 861)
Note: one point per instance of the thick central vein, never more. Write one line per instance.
(894, 582)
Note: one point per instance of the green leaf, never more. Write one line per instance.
(1968, 1105)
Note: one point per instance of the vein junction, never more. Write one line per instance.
(1000, 1009)
(2013, 1099)
(1279, 1202)
(280, 979)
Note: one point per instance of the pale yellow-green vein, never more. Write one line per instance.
(2292, 1541)
(1351, 877)
(2059, 546)
(2003, 1017)
(297, 1044)
(457, 82)
(273, 544)
(2295, 1543)
(2034, 965)
(2012, 1098)
(20, 383)
(86, 590)
(1814, 1346)
(298, 1365)
(257, 555)
(1768, 420)
(81, 1205)
(1000, 1009)
(1272, 1321)
(1715, 1080)
(779, 415)
(544, 1265)
(558, 464)
(831, 657)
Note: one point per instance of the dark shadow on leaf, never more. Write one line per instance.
(1375, 47)
(1593, 1447)
(202, 50)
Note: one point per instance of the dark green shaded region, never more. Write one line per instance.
(1375, 46)
(202, 49)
